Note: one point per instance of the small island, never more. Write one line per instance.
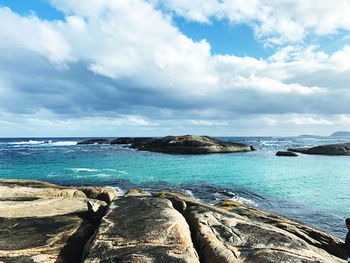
(341, 134)
(187, 144)
(329, 149)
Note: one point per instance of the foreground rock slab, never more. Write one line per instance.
(142, 229)
(330, 149)
(227, 237)
(42, 222)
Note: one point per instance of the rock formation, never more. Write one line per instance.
(41, 222)
(330, 149)
(190, 144)
(187, 144)
(135, 141)
(286, 153)
(142, 229)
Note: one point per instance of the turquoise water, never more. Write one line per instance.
(311, 189)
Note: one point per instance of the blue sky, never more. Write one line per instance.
(155, 67)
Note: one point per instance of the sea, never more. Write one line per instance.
(310, 189)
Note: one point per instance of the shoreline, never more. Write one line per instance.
(86, 219)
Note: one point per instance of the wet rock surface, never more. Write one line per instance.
(330, 149)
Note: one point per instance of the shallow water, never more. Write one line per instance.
(310, 189)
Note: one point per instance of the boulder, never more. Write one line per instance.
(190, 144)
(312, 236)
(13, 188)
(41, 222)
(286, 153)
(142, 229)
(330, 149)
(95, 141)
(104, 194)
(237, 233)
(136, 192)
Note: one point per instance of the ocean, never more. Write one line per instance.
(313, 190)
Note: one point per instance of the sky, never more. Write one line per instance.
(171, 67)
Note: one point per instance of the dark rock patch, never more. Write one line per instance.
(286, 153)
(330, 149)
(190, 144)
(95, 141)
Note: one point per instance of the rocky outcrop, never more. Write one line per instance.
(135, 141)
(41, 222)
(286, 153)
(95, 141)
(187, 144)
(229, 235)
(104, 194)
(312, 236)
(190, 144)
(330, 149)
(142, 229)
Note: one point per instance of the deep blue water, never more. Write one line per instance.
(313, 190)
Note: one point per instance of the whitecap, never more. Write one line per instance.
(102, 175)
(76, 170)
(190, 194)
(120, 191)
(64, 143)
(243, 200)
(26, 142)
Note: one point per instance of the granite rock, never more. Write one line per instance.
(41, 222)
(142, 229)
(330, 149)
(104, 194)
(286, 153)
(190, 144)
(224, 236)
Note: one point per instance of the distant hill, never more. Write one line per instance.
(341, 134)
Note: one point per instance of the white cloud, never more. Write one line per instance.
(309, 121)
(209, 123)
(275, 21)
(34, 35)
(127, 61)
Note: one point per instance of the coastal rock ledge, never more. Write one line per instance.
(187, 144)
(330, 149)
(41, 222)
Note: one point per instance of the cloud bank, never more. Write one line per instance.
(117, 67)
